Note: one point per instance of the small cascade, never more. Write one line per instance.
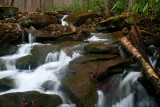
(9, 61)
(31, 39)
(121, 52)
(52, 57)
(52, 71)
(101, 99)
(123, 90)
(64, 23)
(23, 37)
(96, 39)
(153, 59)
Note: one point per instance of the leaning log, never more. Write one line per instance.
(147, 68)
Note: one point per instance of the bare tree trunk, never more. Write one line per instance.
(147, 68)
(106, 7)
(12, 3)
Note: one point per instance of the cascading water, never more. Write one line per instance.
(53, 69)
(31, 38)
(124, 89)
(64, 23)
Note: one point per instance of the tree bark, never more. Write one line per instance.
(106, 7)
(147, 68)
(12, 3)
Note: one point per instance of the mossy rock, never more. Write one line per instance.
(70, 43)
(39, 52)
(37, 57)
(18, 99)
(25, 62)
(6, 84)
(79, 74)
(77, 19)
(6, 12)
(81, 90)
(101, 48)
(7, 49)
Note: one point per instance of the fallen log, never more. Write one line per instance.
(147, 68)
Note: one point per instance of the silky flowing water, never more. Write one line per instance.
(126, 91)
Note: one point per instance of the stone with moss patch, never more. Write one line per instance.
(18, 99)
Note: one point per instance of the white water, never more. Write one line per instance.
(53, 69)
(31, 38)
(9, 61)
(96, 39)
(125, 92)
(64, 23)
(126, 84)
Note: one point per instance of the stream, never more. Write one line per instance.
(125, 89)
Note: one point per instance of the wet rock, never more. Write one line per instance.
(6, 84)
(29, 99)
(58, 33)
(7, 49)
(37, 57)
(94, 48)
(40, 20)
(70, 43)
(10, 32)
(40, 52)
(57, 30)
(25, 21)
(48, 85)
(24, 62)
(11, 20)
(6, 12)
(77, 19)
(83, 72)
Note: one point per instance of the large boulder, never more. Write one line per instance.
(94, 48)
(37, 57)
(6, 12)
(57, 33)
(40, 20)
(7, 49)
(10, 32)
(29, 99)
(77, 19)
(85, 71)
(57, 30)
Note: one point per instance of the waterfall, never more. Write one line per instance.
(9, 61)
(101, 99)
(52, 57)
(125, 91)
(64, 23)
(31, 39)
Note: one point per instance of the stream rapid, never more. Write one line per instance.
(126, 91)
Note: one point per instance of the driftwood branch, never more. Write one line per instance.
(147, 68)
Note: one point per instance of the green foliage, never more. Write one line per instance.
(118, 7)
(137, 8)
(145, 6)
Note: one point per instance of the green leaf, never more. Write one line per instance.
(145, 7)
